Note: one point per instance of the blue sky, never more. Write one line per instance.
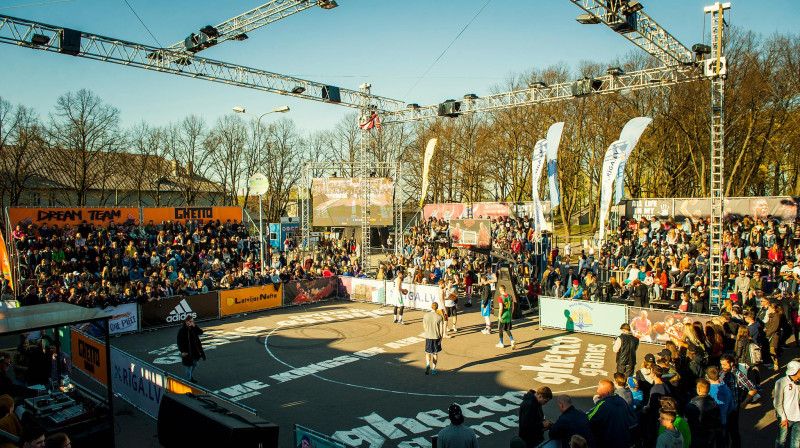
(389, 44)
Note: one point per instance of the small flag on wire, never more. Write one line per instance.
(373, 122)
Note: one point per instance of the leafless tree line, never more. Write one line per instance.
(480, 157)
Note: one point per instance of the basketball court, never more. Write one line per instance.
(346, 370)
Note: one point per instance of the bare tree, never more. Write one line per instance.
(83, 134)
(20, 144)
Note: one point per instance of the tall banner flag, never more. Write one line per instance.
(611, 162)
(553, 140)
(539, 154)
(5, 265)
(426, 168)
(631, 133)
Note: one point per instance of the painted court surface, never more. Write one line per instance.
(344, 369)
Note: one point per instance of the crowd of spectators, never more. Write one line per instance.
(95, 266)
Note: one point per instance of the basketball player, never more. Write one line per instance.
(401, 294)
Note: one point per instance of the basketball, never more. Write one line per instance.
(404, 291)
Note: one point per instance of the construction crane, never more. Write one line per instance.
(238, 27)
(34, 35)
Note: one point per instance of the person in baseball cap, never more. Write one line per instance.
(787, 403)
(457, 434)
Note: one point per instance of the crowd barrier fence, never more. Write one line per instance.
(651, 326)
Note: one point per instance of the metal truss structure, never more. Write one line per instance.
(91, 46)
(540, 94)
(237, 27)
(717, 70)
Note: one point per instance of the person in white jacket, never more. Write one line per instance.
(787, 406)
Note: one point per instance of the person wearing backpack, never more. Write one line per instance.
(748, 355)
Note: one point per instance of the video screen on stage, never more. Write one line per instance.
(337, 201)
(475, 233)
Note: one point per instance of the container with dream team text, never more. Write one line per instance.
(174, 310)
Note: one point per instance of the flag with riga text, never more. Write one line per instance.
(373, 122)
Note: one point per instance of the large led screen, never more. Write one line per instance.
(475, 233)
(337, 201)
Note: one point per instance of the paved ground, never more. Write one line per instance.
(344, 369)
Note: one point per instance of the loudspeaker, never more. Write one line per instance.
(70, 42)
(203, 420)
(331, 93)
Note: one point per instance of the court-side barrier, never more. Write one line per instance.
(652, 326)
(172, 311)
(135, 381)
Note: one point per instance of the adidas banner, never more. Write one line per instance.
(307, 291)
(174, 310)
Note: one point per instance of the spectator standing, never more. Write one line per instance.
(722, 395)
(625, 346)
(456, 434)
(531, 416)
(743, 391)
(704, 416)
(670, 437)
(609, 418)
(190, 347)
(787, 406)
(570, 422)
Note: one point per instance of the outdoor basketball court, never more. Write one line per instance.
(345, 370)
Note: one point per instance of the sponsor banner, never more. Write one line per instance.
(553, 140)
(89, 355)
(783, 208)
(174, 310)
(364, 290)
(631, 132)
(337, 201)
(307, 291)
(659, 326)
(138, 383)
(660, 208)
(475, 233)
(256, 298)
(307, 438)
(184, 214)
(426, 165)
(582, 316)
(99, 216)
(611, 161)
(419, 296)
(124, 318)
(459, 211)
(539, 154)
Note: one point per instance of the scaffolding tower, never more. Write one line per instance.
(716, 70)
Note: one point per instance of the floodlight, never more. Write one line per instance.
(587, 19)
(538, 85)
(701, 49)
(298, 90)
(240, 37)
(632, 7)
(615, 71)
(412, 106)
(470, 96)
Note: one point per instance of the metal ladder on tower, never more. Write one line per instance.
(716, 70)
(364, 183)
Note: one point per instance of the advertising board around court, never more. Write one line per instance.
(255, 298)
(308, 438)
(174, 310)
(419, 297)
(308, 291)
(659, 326)
(582, 316)
(363, 290)
(124, 318)
(184, 214)
(89, 356)
(99, 216)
